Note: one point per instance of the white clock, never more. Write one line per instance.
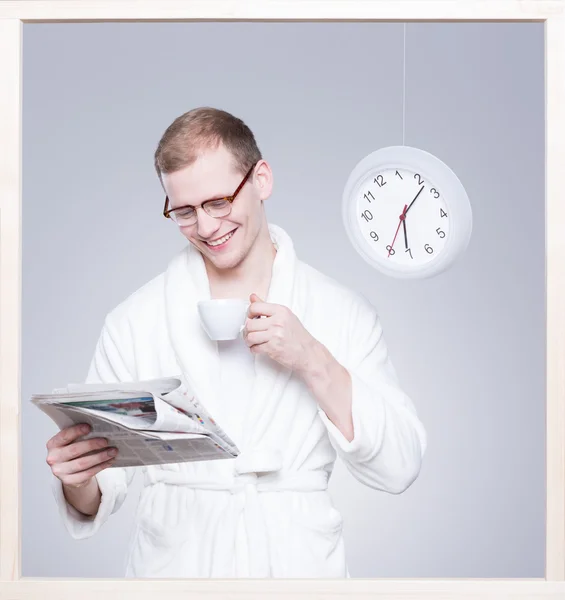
(406, 212)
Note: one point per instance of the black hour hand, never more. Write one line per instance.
(405, 235)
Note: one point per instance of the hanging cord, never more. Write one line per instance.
(404, 87)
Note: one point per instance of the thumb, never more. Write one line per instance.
(255, 298)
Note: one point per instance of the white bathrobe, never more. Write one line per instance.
(266, 513)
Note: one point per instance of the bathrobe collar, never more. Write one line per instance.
(186, 283)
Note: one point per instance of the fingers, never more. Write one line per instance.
(257, 337)
(68, 435)
(260, 348)
(76, 462)
(261, 309)
(256, 325)
(83, 463)
(75, 450)
(83, 477)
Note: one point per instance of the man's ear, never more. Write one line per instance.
(264, 179)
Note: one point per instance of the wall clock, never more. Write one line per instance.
(406, 212)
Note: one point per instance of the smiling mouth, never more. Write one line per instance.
(220, 241)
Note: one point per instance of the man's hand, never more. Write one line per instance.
(76, 462)
(274, 330)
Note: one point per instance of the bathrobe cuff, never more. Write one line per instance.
(113, 487)
(368, 415)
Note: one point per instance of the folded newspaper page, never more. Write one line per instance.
(158, 421)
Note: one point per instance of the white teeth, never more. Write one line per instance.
(221, 240)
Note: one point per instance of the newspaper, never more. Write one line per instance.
(158, 421)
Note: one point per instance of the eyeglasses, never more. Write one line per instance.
(217, 208)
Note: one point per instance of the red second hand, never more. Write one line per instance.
(402, 217)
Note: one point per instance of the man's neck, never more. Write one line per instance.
(253, 275)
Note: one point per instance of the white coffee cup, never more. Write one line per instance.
(223, 318)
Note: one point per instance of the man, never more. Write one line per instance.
(308, 380)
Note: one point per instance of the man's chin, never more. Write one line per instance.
(222, 262)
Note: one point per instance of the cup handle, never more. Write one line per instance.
(246, 317)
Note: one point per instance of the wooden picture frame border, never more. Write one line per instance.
(12, 17)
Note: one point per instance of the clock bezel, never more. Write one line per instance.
(431, 169)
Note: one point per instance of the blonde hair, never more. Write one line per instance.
(205, 128)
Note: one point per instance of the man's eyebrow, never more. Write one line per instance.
(218, 197)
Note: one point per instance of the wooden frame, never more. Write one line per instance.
(12, 16)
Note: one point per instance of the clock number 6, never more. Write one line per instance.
(428, 249)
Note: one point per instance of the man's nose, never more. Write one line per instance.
(206, 224)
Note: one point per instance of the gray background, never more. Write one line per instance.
(469, 345)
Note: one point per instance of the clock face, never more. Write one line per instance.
(406, 212)
(402, 216)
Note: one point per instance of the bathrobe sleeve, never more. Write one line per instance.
(107, 366)
(389, 440)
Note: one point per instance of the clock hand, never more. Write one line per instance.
(401, 219)
(415, 198)
(405, 236)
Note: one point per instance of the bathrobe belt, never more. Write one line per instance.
(250, 485)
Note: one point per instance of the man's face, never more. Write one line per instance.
(213, 175)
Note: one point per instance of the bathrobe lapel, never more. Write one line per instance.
(186, 283)
(261, 444)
